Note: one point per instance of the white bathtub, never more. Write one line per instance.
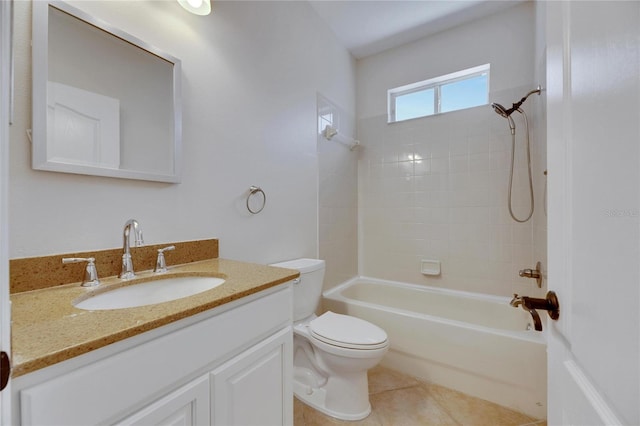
(476, 344)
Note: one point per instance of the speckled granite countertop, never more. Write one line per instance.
(47, 328)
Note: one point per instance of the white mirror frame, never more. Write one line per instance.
(40, 61)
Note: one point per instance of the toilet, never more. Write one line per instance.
(332, 352)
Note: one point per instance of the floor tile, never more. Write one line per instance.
(399, 400)
(298, 412)
(409, 406)
(383, 379)
(313, 417)
(467, 410)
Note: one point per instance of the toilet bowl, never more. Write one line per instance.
(332, 352)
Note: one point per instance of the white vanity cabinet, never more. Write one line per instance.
(256, 375)
(186, 406)
(228, 366)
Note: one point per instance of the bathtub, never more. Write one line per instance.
(476, 344)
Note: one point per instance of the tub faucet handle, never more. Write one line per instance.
(161, 264)
(90, 272)
(529, 273)
(533, 273)
(516, 301)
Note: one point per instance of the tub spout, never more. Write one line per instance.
(537, 323)
(523, 301)
(530, 304)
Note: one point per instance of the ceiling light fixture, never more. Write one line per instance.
(197, 7)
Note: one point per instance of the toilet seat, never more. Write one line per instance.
(348, 332)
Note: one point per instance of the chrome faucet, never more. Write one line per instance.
(127, 264)
(90, 272)
(161, 263)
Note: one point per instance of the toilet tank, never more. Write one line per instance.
(306, 292)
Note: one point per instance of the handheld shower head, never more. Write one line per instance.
(500, 109)
(503, 112)
(506, 113)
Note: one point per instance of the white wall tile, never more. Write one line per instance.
(338, 197)
(453, 206)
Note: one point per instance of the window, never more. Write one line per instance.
(463, 89)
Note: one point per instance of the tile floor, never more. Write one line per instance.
(401, 400)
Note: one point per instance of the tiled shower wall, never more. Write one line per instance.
(337, 196)
(435, 188)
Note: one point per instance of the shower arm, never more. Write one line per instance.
(517, 105)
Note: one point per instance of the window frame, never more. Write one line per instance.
(435, 84)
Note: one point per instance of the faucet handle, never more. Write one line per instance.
(533, 273)
(139, 239)
(90, 272)
(161, 264)
(516, 301)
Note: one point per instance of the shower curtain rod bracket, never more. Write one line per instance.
(331, 133)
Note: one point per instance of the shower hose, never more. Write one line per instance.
(513, 152)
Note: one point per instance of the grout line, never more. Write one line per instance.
(394, 389)
(425, 385)
(447, 412)
(433, 400)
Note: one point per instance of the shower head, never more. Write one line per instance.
(506, 114)
(500, 109)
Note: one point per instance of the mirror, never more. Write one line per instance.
(104, 102)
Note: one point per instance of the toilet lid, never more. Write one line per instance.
(347, 332)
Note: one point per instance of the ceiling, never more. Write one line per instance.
(367, 27)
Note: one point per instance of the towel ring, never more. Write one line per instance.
(253, 190)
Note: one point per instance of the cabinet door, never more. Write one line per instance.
(186, 406)
(254, 388)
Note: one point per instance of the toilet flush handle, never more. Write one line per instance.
(296, 280)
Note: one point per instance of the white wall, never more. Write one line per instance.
(451, 206)
(251, 71)
(594, 211)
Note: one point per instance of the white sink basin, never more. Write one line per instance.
(149, 293)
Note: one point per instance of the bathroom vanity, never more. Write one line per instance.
(220, 357)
